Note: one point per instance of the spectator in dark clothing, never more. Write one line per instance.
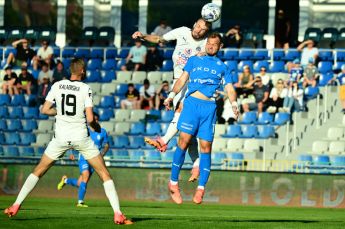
(261, 93)
(161, 94)
(23, 55)
(132, 98)
(233, 38)
(43, 90)
(154, 59)
(9, 86)
(282, 31)
(60, 72)
(25, 82)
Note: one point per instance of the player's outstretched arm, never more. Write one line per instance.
(91, 120)
(148, 37)
(177, 88)
(48, 109)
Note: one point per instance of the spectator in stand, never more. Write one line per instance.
(296, 72)
(132, 98)
(244, 84)
(162, 28)
(266, 79)
(260, 92)
(154, 59)
(294, 98)
(23, 55)
(161, 95)
(341, 80)
(10, 78)
(43, 90)
(282, 30)
(44, 55)
(311, 74)
(59, 72)
(25, 82)
(277, 96)
(136, 58)
(308, 52)
(45, 72)
(233, 38)
(147, 95)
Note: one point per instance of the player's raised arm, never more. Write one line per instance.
(148, 37)
(176, 89)
(48, 109)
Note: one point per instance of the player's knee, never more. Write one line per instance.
(183, 143)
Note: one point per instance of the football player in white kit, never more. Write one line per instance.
(189, 42)
(72, 111)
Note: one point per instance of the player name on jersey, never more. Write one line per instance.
(69, 87)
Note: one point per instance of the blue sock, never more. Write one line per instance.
(177, 163)
(205, 168)
(82, 191)
(72, 181)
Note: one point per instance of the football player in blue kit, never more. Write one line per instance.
(205, 76)
(101, 141)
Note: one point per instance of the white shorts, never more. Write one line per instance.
(180, 96)
(56, 149)
(128, 104)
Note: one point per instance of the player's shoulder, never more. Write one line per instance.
(182, 29)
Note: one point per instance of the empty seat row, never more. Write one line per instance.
(263, 118)
(249, 131)
(328, 147)
(326, 38)
(21, 112)
(236, 144)
(17, 100)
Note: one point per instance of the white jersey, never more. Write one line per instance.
(71, 99)
(186, 46)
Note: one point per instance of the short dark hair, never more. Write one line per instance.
(95, 114)
(165, 81)
(215, 35)
(146, 81)
(130, 85)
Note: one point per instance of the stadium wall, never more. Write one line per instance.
(225, 187)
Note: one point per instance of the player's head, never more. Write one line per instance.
(200, 29)
(213, 44)
(78, 68)
(96, 116)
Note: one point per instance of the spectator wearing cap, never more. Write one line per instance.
(341, 80)
(154, 59)
(45, 72)
(23, 55)
(10, 78)
(136, 58)
(260, 92)
(25, 82)
(310, 74)
(59, 72)
(132, 98)
(161, 95)
(44, 55)
(43, 89)
(147, 95)
(308, 51)
(162, 28)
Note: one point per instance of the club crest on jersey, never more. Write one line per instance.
(198, 48)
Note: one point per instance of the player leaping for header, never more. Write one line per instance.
(189, 42)
(205, 74)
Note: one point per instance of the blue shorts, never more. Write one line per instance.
(84, 165)
(198, 118)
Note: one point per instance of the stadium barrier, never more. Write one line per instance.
(224, 187)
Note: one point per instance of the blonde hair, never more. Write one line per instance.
(77, 66)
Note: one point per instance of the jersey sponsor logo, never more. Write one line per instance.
(69, 87)
(205, 69)
(205, 81)
(184, 56)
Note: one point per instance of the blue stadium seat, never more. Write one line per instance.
(109, 64)
(303, 161)
(39, 151)
(168, 53)
(249, 131)
(123, 53)
(325, 66)
(259, 64)
(260, 54)
(15, 112)
(248, 118)
(107, 102)
(97, 53)
(164, 128)
(120, 154)
(153, 129)
(172, 143)
(137, 155)
(30, 100)
(29, 125)
(14, 125)
(68, 52)
(66, 62)
(12, 138)
(232, 65)
(292, 54)
(3, 112)
(245, 54)
(325, 55)
(120, 142)
(338, 161)
(31, 112)
(93, 76)
(5, 99)
(167, 66)
(337, 66)
(105, 114)
(94, 64)
(218, 157)
(230, 54)
(311, 92)
(26, 152)
(82, 53)
(167, 116)
(42, 116)
(325, 78)
(242, 63)
(167, 156)
(312, 34)
(11, 151)
(121, 89)
(110, 53)
(340, 55)
(266, 132)
(3, 125)
(278, 54)
(264, 118)
(321, 160)
(153, 115)
(27, 138)
(281, 118)
(137, 129)
(277, 66)
(236, 159)
(136, 142)
(233, 131)
(153, 155)
(120, 63)
(18, 100)
(107, 76)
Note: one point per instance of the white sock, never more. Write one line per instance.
(172, 129)
(110, 192)
(196, 163)
(173, 182)
(201, 187)
(29, 184)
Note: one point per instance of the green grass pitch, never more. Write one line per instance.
(62, 213)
